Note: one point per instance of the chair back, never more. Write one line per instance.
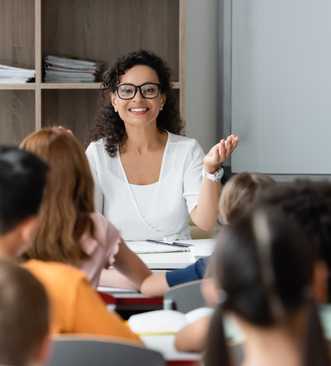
(185, 297)
(68, 351)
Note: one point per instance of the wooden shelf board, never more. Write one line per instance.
(23, 86)
(70, 85)
(175, 85)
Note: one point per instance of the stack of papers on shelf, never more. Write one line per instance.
(69, 70)
(15, 75)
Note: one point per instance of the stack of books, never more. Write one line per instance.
(69, 70)
(15, 75)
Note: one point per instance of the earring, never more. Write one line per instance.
(161, 107)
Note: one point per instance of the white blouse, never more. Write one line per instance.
(154, 211)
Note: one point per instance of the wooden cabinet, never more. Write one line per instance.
(99, 30)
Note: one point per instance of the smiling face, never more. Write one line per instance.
(138, 111)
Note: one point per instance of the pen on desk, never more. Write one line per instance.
(173, 243)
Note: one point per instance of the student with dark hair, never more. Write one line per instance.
(263, 270)
(309, 203)
(237, 199)
(22, 181)
(73, 300)
(150, 179)
(23, 337)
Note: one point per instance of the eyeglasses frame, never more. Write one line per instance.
(136, 89)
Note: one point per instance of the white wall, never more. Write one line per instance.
(201, 71)
(281, 86)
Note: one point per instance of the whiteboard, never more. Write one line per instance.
(281, 86)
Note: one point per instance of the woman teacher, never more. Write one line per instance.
(149, 178)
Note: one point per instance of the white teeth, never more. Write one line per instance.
(138, 109)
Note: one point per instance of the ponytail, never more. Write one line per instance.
(217, 352)
(315, 350)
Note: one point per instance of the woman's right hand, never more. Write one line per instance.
(219, 153)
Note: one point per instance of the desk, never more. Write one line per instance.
(165, 345)
(122, 301)
(129, 302)
(137, 302)
(200, 248)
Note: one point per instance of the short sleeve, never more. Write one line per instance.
(193, 176)
(108, 236)
(92, 317)
(92, 156)
(114, 237)
(194, 272)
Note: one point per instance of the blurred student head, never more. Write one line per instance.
(69, 196)
(238, 197)
(309, 204)
(22, 181)
(239, 193)
(24, 317)
(263, 270)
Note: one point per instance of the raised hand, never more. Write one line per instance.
(219, 153)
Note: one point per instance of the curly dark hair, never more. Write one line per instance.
(109, 125)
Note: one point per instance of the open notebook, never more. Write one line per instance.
(159, 256)
(168, 260)
(146, 247)
(169, 322)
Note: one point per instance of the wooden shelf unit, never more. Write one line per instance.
(99, 30)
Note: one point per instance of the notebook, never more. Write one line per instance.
(145, 247)
(169, 322)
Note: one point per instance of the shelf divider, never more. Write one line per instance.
(37, 34)
(182, 58)
(38, 63)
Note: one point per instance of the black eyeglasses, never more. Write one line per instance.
(147, 90)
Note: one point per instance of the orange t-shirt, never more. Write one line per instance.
(75, 305)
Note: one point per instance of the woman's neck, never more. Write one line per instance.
(273, 349)
(141, 140)
(273, 346)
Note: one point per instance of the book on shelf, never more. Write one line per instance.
(63, 69)
(15, 75)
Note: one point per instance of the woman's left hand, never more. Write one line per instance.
(219, 153)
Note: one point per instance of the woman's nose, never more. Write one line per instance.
(138, 95)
